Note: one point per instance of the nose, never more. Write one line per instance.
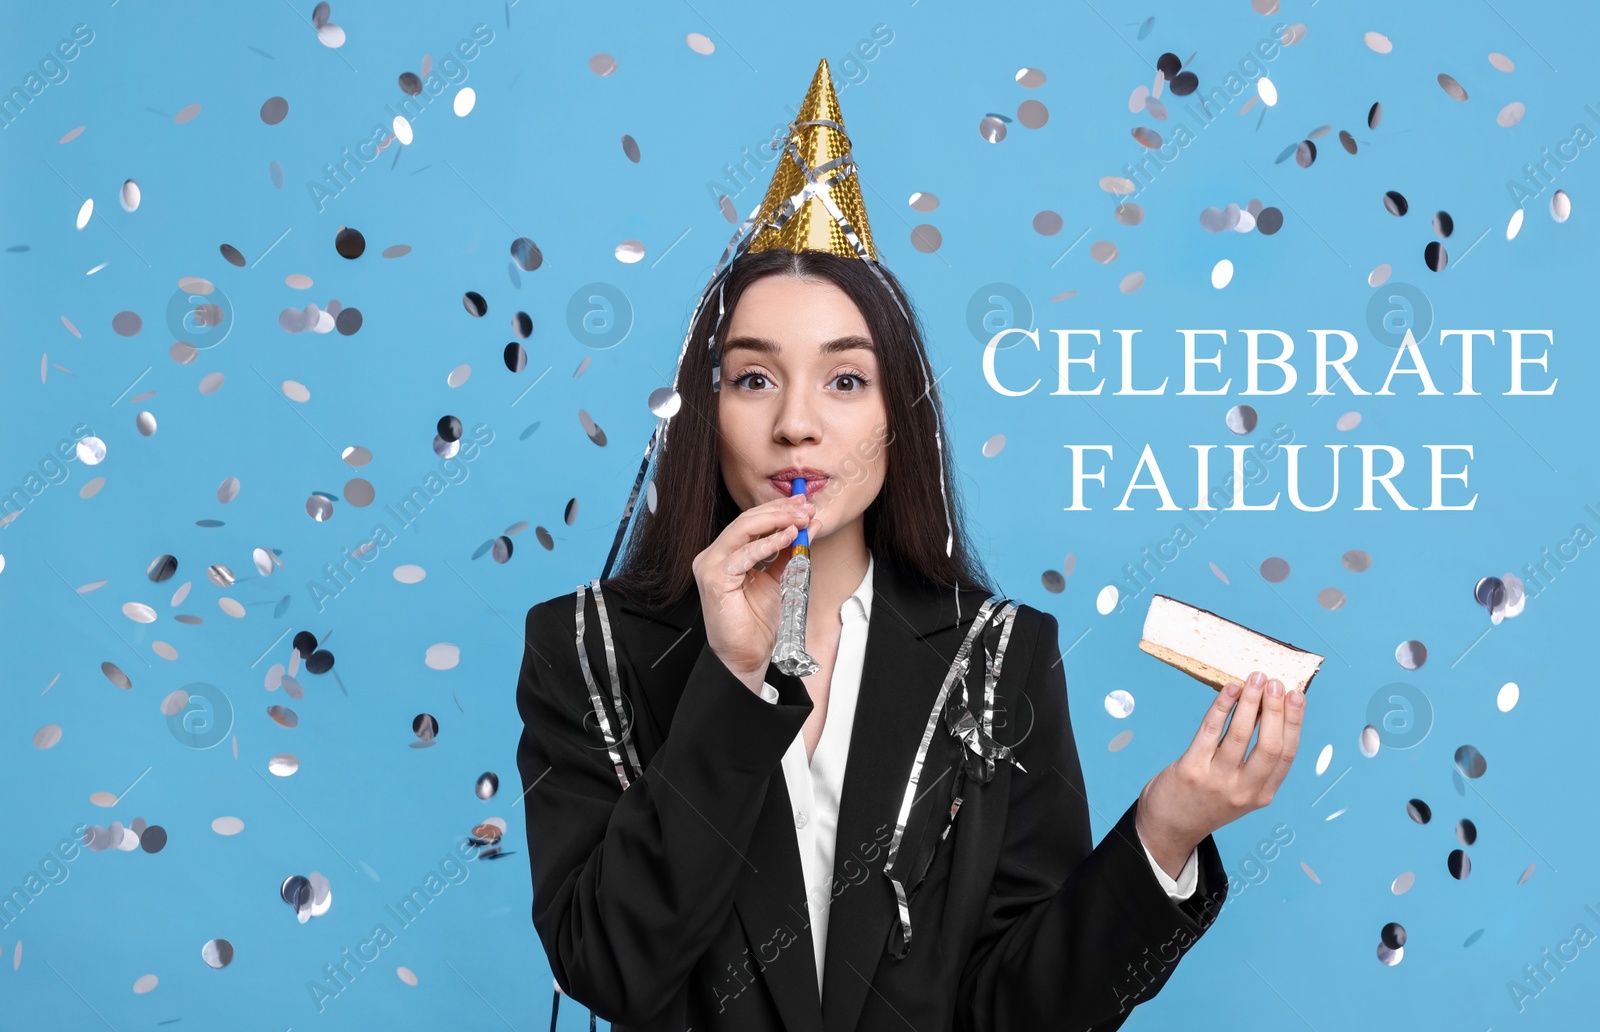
(796, 420)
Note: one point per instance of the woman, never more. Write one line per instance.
(698, 861)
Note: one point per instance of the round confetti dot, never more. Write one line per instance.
(217, 953)
(1222, 274)
(1348, 421)
(1053, 582)
(1120, 741)
(1369, 741)
(1032, 114)
(926, 238)
(1330, 598)
(130, 195)
(1241, 419)
(526, 254)
(992, 129)
(1470, 762)
(1560, 206)
(1269, 221)
(1511, 114)
(1324, 758)
(1356, 560)
(1274, 570)
(349, 242)
(1411, 654)
(47, 736)
(348, 321)
(630, 252)
(602, 64)
(1450, 86)
(1514, 224)
(994, 445)
(442, 656)
(1419, 811)
(1459, 864)
(274, 110)
(466, 98)
(1047, 223)
(1103, 251)
(126, 324)
(359, 492)
(1131, 282)
(923, 202)
(1119, 703)
(1506, 699)
(1106, 600)
(1030, 78)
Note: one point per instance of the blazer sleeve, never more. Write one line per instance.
(1072, 937)
(630, 887)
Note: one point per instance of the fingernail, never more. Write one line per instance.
(1233, 690)
(1297, 698)
(1256, 677)
(1274, 687)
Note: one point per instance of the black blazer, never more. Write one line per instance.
(679, 903)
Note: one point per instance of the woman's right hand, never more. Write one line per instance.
(742, 604)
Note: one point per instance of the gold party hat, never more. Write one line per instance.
(802, 212)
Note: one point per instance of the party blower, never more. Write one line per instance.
(795, 587)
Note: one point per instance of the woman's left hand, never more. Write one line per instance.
(1212, 783)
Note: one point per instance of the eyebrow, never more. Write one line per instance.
(762, 345)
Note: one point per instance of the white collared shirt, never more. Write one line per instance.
(814, 785)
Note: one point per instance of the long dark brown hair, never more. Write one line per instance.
(903, 525)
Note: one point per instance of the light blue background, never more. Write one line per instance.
(540, 156)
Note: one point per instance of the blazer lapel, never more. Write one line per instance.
(912, 636)
(907, 656)
(664, 645)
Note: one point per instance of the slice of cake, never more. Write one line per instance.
(1217, 651)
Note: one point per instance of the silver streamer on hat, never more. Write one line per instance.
(739, 244)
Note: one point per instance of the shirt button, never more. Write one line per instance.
(800, 818)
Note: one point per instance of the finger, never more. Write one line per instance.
(1231, 751)
(1294, 712)
(744, 559)
(1210, 733)
(1263, 759)
(757, 522)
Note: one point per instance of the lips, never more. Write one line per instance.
(783, 481)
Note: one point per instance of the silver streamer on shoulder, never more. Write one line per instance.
(595, 697)
(964, 727)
